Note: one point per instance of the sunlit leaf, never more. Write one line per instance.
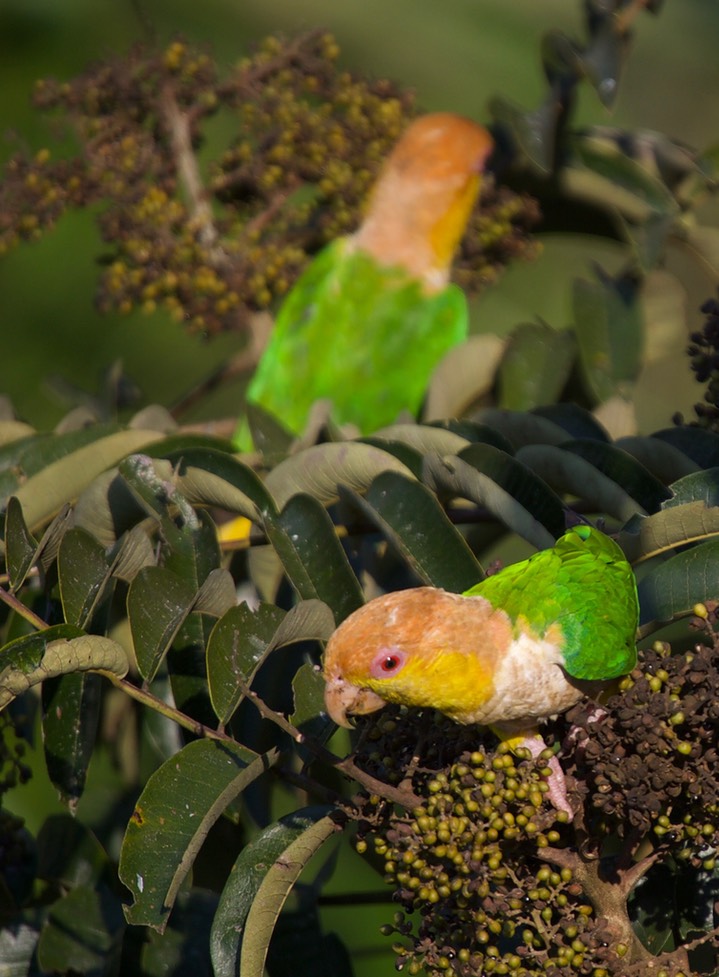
(178, 806)
(676, 585)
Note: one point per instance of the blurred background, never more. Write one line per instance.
(455, 55)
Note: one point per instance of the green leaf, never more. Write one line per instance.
(623, 469)
(703, 244)
(535, 367)
(697, 443)
(44, 494)
(243, 639)
(673, 588)
(319, 470)
(217, 593)
(701, 486)
(412, 519)
(520, 427)
(58, 650)
(259, 883)
(504, 486)
(690, 522)
(308, 687)
(158, 602)
(71, 712)
(20, 545)
(305, 539)
(608, 326)
(663, 460)
(83, 574)
(69, 853)
(183, 949)
(424, 438)
(568, 473)
(180, 803)
(576, 421)
(214, 478)
(107, 508)
(237, 645)
(84, 928)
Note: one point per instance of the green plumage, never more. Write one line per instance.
(585, 585)
(362, 335)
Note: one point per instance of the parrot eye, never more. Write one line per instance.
(387, 662)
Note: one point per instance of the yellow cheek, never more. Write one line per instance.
(449, 229)
(455, 683)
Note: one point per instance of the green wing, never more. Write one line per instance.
(584, 584)
(362, 335)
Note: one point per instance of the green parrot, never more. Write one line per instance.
(373, 314)
(522, 645)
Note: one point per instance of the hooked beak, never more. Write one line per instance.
(342, 699)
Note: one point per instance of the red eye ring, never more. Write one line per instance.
(390, 662)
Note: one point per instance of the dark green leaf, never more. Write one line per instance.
(663, 460)
(308, 687)
(183, 950)
(258, 886)
(237, 645)
(576, 421)
(157, 604)
(676, 585)
(414, 522)
(208, 477)
(568, 473)
(84, 928)
(83, 574)
(69, 853)
(20, 545)
(520, 427)
(697, 443)
(701, 486)
(180, 803)
(313, 558)
(674, 526)
(623, 469)
(536, 366)
(71, 712)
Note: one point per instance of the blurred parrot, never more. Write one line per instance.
(373, 314)
(520, 646)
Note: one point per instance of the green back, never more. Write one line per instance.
(584, 584)
(362, 335)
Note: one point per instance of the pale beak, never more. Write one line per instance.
(342, 699)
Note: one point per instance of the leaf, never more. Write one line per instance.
(508, 490)
(608, 327)
(83, 575)
(217, 593)
(42, 495)
(178, 806)
(242, 639)
(210, 477)
(20, 545)
(237, 645)
(568, 473)
(700, 486)
(423, 437)
(576, 421)
(259, 883)
(84, 927)
(690, 522)
(319, 470)
(58, 650)
(700, 445)
(703, 245)
(71, 712)
(465, 375)
(520, 427)
(183, 949)
(535, 367)
(69, 853)
(659, 457)
(623, 469)
(158, 602)
(107, 508)
(673, 588)
(308, 687)
(18, 941)
(411, 518)
(313, 558)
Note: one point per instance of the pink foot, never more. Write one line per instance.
(555, 781)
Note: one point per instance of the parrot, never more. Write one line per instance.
(522, 645)
(374, 312)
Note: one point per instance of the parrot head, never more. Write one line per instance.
(424, 194)
(423, 647)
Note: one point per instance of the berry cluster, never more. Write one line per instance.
(214, 241)
(704, 355)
